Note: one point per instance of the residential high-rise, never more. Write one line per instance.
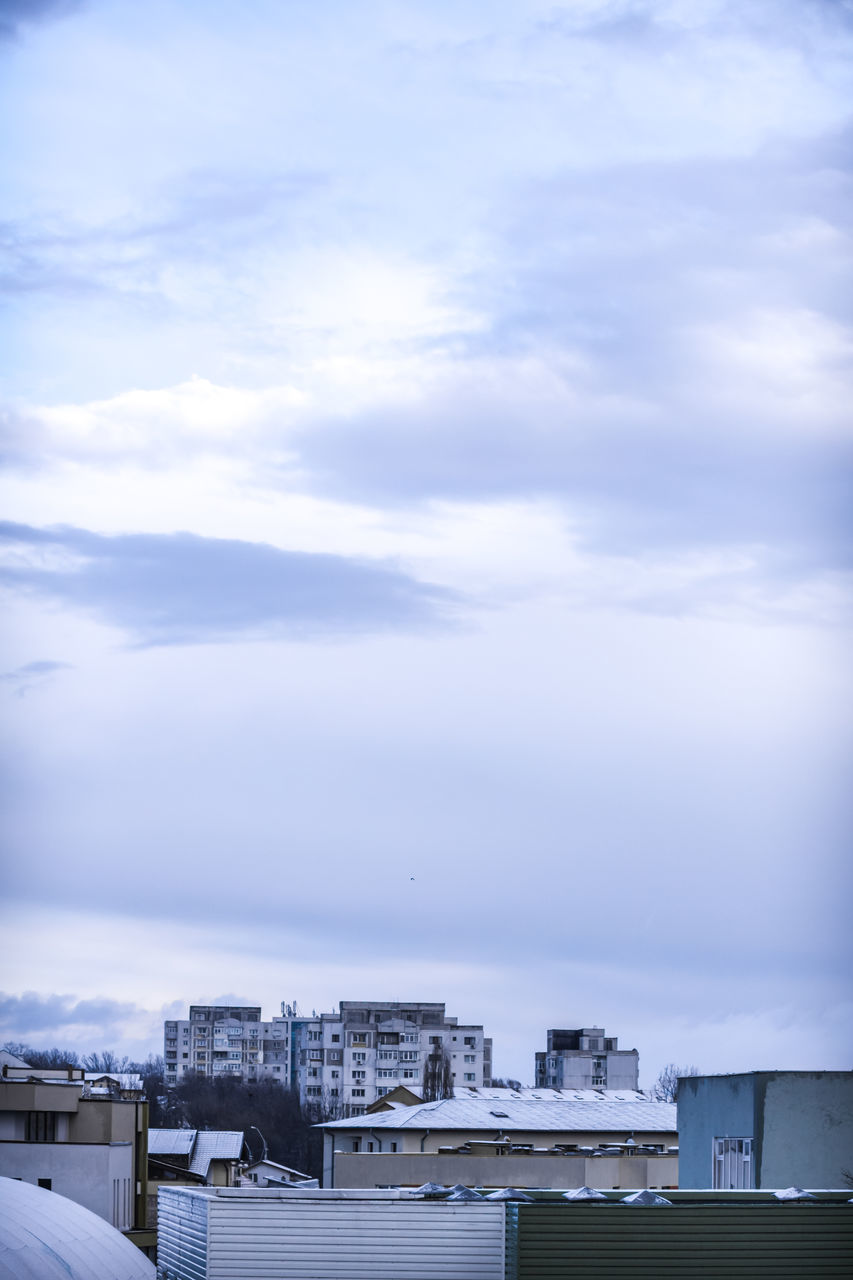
(586, 1059)
(343, 1060)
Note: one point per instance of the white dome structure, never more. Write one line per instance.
(45, 1235)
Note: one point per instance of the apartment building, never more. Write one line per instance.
(586, 1059)
(342, 1060)
(214, 1040)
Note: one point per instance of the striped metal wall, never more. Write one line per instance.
(258, 1237)
(181, 1235)
(737, 1241)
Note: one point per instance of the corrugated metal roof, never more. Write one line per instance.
(171, 1142)
(215, 1144)
(522, 1113)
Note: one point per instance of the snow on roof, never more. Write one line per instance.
(46, 1235)
(201, 1145)
(560, 1114)
(9, 1060)
(574, 1095)
(171, 1142)
(127, 1080)
(215, 1144)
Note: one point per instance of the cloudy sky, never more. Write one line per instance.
(426, 512)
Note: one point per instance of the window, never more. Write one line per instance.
(358, 1075)
(41, 1126)
(359, 1057)
(336, 1039)
(732, 1159)
(315, 1035)
(314, 1091)
(469, 1041)
(336, 1075)
(470, 1057)
(409, 1075)
(469, 1077)
(358, 1093)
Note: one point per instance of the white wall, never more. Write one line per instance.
(99, 1176)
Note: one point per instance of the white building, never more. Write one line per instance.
(214, 1040)
(345, 1059)
(586, 1059)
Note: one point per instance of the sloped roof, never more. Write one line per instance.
(522, 1113)
(45, 1235)
(215, 1144)
(171, 1142)
(201, 1145)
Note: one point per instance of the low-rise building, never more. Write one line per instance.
(766, 1129)
(80, 1137)
(268, 1173)
(517, 1139)
(586, 1058)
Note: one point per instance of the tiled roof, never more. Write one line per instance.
(215, 1145)
(171, 1142)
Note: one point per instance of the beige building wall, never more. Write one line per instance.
(626, 1173)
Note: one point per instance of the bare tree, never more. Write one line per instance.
(665, 1088)
(438, 1076)
(43, 1059)
(107, 1061)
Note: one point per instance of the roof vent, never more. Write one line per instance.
(503, 1114)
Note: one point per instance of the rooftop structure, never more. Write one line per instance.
(80, 1134)
(196, 1150)
(771, 1129)
(377, 1149)
(46, 1236)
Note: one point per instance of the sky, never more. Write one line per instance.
(425, 543)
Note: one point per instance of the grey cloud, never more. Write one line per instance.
(17, 13)
(181, 588)
(31, 674)
(31, 1012)
(29, 669)
(609, 280)
(204, 215)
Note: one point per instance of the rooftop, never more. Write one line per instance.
(527, 1113)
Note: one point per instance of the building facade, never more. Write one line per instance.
(77, 1137)
(343, 1061)
(516, 1139)
(766, 1129)
(586, 1059)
